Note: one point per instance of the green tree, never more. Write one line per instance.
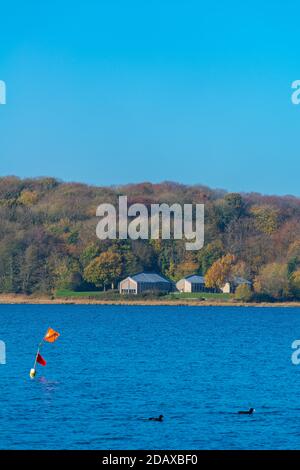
(67, 273)
(209, 254)
(293, 257)
(131, 264)
(89, 253)
(226, 210)
(243, 293)
(104, 270)
(295, 284)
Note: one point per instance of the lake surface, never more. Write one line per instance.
(114, 365)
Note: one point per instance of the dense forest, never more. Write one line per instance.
(48, 238)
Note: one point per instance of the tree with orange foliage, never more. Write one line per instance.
(220, 272)
(188, 266)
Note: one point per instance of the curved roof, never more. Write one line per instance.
(195, 279)
(241, 280)
(149, 277)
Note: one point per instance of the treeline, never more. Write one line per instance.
(48, 239)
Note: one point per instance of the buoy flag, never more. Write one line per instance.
(40, 360)
(51, 335)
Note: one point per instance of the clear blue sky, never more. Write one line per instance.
(110, 92)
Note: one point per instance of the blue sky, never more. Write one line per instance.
(109, 92)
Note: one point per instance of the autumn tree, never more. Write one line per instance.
(28, 198)
(188, 266)
(266, 218)
(220, 272)
(293, 256)
(273, 280)
(104, 270)
(243, 293)
(295, 283)
(241, 269)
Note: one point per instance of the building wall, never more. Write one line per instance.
(230, 287)
(180, 285)
(226, 289)
(188, 287)
(184, 285)
(154, 286)
(128, 286)
(197, 287)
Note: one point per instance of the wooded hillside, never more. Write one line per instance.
(48, 238)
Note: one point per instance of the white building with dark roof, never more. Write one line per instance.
(145, 282)
(193, 283)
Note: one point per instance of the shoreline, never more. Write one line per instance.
(19, 299)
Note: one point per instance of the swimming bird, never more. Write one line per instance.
(160, 418)
(249, 412)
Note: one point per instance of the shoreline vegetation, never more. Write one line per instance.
(19, 299)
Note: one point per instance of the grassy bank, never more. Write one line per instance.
(67, 297)
(199, 296)
(64, 293)
(114, 295)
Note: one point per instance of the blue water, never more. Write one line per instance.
(114, 365)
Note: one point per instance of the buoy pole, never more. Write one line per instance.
(32, 372)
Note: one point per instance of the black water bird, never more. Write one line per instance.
(249, 412)
(160, 418)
